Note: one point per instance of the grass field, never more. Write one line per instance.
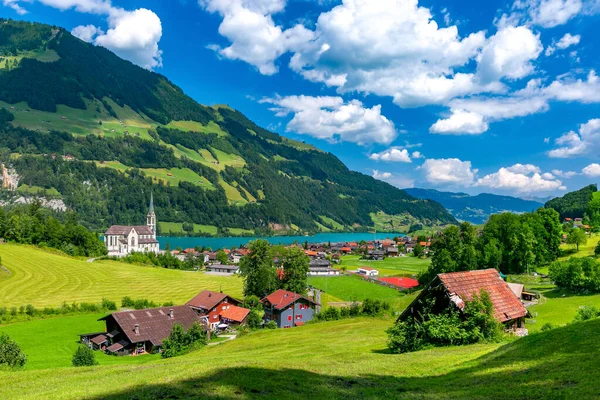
(42, 278)
(391, 266)
(335, 360)
(23, 188)
(177, 227)
(353, 288)
(197, 127)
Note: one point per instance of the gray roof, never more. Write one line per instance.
(125, 229)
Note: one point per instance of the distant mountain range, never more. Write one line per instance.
(475, 209)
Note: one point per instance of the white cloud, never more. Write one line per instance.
(334, 119)
(551, 13)
(381, 175)
(566, 41)
(573, 144)
(460, 122)
(417, 155)
(592, 170)
(86, 32)
(254, 36)
(521, 179)
(509, 54)
(133, 35)
(14, 4)
(569, 89)
(393, 154)
(564, 174)
(450, 171)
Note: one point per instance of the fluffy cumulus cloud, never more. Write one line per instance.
(460, 122)
(566, 41)
(521, 179)
(133, 35)
(448, 171)
(509, 53)
(381, 175)
(551, 13)
(254, 36)
(394, 154)
(334, 119)
(563, 174)
(592, 170)
(573, 144)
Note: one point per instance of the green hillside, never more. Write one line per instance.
(573, 204)
(131, 131)
(335, 360)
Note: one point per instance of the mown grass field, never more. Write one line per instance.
(338, 360)
(43, 278)
(177, 227)
(391, 266)
(353, 288)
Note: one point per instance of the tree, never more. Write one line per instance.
(577, 237)
(222, 257)
(83, 357)
(11, 354)
(295, 270)
(257, 270)
(597, 250)
(492, 254)
(418, 251)
(175, 344)
(254, 320)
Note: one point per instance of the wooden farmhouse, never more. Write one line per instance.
(456, 288)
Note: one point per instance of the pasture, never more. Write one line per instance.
(341, 359)
(391, 266)
(43, 278)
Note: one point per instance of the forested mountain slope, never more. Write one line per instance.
(573, 204)
(101, 133)
(475, 209)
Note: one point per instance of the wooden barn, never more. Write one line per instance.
(454, 289)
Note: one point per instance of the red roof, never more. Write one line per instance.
(207, 299)
(311, 253)
(234, 313)
(401, 282)
(346, 249)
(283, 298)
(367, 268)
(464, 284)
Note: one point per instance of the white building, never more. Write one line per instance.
(121, 240)
(368, 271)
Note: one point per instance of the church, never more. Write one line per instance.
(121, 240)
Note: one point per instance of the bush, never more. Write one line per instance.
(547, 326)
(126, 302)
(586, 313)
(254, 320)
(271, 325)
(83, 357)
(180, 342)
(109, 305)
(11, 354)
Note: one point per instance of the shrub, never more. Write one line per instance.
(83, 357)
(587, 313)
(126, 302)
(108, 304)
(30, 310)
(180, 342)
(372, 307)
(254, 320)
(271, 325)
(11, 354)
(330, 314)
(168, 304)
(547, 326)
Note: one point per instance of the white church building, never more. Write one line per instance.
(121, 240)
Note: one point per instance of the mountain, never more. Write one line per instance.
(475, 209)
(97, 132)
(573, 204)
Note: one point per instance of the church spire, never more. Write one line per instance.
(151, 217)
(151, 208)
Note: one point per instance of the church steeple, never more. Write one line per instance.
(151, 217)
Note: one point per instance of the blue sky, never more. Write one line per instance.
(495, 96)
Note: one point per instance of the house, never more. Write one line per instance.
(455, 288)
(375, 255)
(234, 316)
(207, 301)
(368, 271)
(527, 298)
(121, 240)
(224, 269)
(392, 251)
(318, 266)
(288, 309)
(140, 331)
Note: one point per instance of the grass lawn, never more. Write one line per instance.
(353, 288)
(50, 343)
(23, 188)
(585, 250)
(177, 227)
(391, 266)
(42, 278)
(337, 360)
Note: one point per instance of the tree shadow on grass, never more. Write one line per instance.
(559, 364)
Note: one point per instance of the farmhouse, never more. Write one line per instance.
(142, 331)
(224, 269)
(207, 301)
(456, 288)
(288, 309)
(368, 271)
(121, 240)
(318, 266)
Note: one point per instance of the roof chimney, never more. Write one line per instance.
(136, 329)
(171, 313)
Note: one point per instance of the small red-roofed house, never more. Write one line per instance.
(288, 309)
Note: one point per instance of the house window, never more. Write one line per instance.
(289, 317)
(299, 316)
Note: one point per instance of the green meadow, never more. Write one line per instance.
(391, 266)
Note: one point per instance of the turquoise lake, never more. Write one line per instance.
(227, 242)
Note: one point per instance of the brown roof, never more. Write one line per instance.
(464, 284)
(98, 339)
(234, 313)
(147, 241)
(125, 229)
(155, 325)
(207, 299)
(117, 346)
(283, 298)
